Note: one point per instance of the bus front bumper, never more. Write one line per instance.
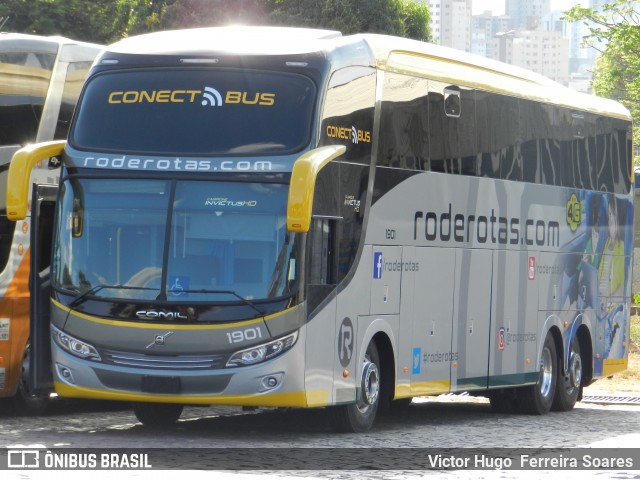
(275, 383)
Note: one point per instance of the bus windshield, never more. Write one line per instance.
(183, 241)
(195, 112)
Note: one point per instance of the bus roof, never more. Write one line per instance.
(388, 53)
(73, 50)
(403, 55)
(228, 40)
(14, 41)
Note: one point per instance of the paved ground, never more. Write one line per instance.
(433, 422)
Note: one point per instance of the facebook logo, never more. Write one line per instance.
(377, 265)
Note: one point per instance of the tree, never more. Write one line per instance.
(100, 21)
(209, 13)
(145, 16)
(105, 21)
(617, 70)
(393, 17)
(416, 20)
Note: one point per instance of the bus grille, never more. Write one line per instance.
(163, 362)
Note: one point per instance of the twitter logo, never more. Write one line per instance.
(417, 357)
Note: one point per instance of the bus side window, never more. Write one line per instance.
(322, 262)
(453, 144)
(74, 79)
(322, 270)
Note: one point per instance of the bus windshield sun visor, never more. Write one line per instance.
(196, 112)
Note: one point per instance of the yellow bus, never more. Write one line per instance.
(40, 81)
(293, 218)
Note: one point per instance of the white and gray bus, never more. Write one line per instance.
(293, 218)
(40, 81)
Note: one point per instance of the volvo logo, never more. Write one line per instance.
(159, 340)
(155, 315)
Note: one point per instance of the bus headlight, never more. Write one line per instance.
(260, 353)
(74, 346)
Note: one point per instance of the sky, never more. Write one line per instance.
(497, 6)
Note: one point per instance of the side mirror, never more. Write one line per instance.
(303, 183)
(19, 177)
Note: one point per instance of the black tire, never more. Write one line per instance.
(503, 401)
(569, 386)
(537, 399)
(25, 402)
(157, 414)
(359, 417)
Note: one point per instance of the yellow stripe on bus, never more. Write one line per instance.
(434, 387)
(293, 399)
(122, 323)
(317, 398)
(613, 365)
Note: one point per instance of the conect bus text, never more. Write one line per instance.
(461, 228)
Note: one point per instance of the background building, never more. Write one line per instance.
(451, 23)
(526, 14)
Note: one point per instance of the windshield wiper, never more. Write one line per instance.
(83, 296)
(228, 292)
(95, 289)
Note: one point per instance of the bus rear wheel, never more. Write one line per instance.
(569, 386)
(359, 417)
(537, 399)
(157, 414)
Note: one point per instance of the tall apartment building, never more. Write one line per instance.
(451, 23)
(546, 53)
(528, 35)
(579, 61)
(526, 14)
(483, 28)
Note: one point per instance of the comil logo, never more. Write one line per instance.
(211, 97)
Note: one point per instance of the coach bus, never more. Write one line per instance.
(293, 218)
(40, 80)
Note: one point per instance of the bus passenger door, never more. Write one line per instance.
(42, 214)
(472, 319)
(425, 320)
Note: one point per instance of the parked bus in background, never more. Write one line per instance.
(292, 218)
(40, 80)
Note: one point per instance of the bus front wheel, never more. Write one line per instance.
(157, 414)
(359, 417)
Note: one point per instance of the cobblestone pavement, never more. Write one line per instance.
(440, 422)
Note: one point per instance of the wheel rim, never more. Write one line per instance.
(546, 373)
(575, 370)
(370, 385)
